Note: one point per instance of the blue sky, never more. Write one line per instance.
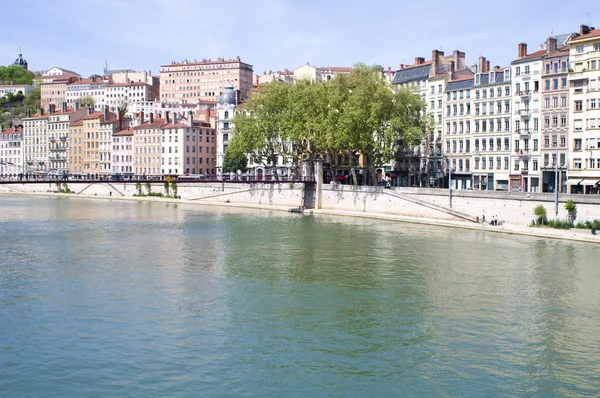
(275, 34)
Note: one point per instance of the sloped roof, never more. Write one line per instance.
(460, 84)
(411, 74)
(529, 57)
(592, 34)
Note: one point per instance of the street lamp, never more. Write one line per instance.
(449, 182)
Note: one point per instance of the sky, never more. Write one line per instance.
(82, 35)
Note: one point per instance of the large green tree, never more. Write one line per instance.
(86, 101)
(15, 74)
(347, 117)
(234, 161)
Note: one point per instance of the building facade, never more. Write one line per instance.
(11, 152)
(94, 87)
(53, 86)
(147, 145)
(555, 116)
(35, 144)
(122, 152)
(584, 112)
(190, 82)
(14, 89)
(526, 85)
(59, 122)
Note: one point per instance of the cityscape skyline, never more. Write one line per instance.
(276, 34)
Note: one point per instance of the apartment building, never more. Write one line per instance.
(584, 113)
(492, 127)
(108, 127)
(124, 95)
(11, 151)
(526, 86)
(286, 76)
(58, 136)
(53, 86)
(187, 147)
(190, 82)
(122, 152)
(35, 143)
(416, 166)
(226, 110)
(458, 133)
(76, 145)
(93, 87)
(147, 145)
(555, 116)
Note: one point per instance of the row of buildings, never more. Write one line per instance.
(531, 126)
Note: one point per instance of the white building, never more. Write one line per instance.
(94, 87)
(584, 113)
(526, 88)
(124, 95)
(35, 144)
(122, 152)
(320, 74)
(15, 89)
(226, 109)
(11, 151)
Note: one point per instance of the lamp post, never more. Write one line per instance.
(449, 182)
(556, 183)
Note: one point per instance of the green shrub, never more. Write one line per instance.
(560, 224)
(570, 206)
(540, 213)
(581, 225)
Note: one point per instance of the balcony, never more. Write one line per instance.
(526, 76)
(523, 112)
(578, 76)
(524, 172)
(523, 153)
(578, 90)
(524, 132)
(525, 93)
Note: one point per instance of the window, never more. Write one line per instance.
(577, 144)
(579, 49)
(578, 106)
(597, 46)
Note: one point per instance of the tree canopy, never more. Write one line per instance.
(15, 74)
(234, 161)
(352, 115)
(32, 100)
(86, 101)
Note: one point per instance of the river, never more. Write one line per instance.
(128, 299)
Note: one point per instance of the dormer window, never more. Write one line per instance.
(477, 79)
(507, 75)
(492, 77)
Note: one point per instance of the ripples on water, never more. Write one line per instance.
(149, 299)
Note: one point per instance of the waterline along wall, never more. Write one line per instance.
(510, 207)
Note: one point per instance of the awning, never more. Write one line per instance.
(582, 181)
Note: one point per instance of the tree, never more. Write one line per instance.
(86, 101)
(32, 100)
(260, 129)
(15, 74)
(234, 161)
(540, 213)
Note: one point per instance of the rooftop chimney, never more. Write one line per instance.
(119, 121)
(151, 117)
(105, 113)
(64, 107)
(190, 118)
(141, 117)
(419, 61)
(435, 62)
(76, 106)
(522, 50)
(167, 118)
(551, 45)
(481, 64)
(51, 108)
(401, 66)
(487, 66)
(584, 30)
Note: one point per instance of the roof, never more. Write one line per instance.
(87, 81)
(560, 52)
(127, 131)
(110, 72)
(592, 34)
(563, 39)
(174, 125)
(499, 79)
(129, 84)
(334, 69)
(412, 73)
(529, 57)
(460, 84)
(12, 131)
(77, 123)
(205, 62)
(155, 123)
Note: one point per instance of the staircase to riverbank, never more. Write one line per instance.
(433, 206)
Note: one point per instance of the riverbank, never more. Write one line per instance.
(576, 235)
